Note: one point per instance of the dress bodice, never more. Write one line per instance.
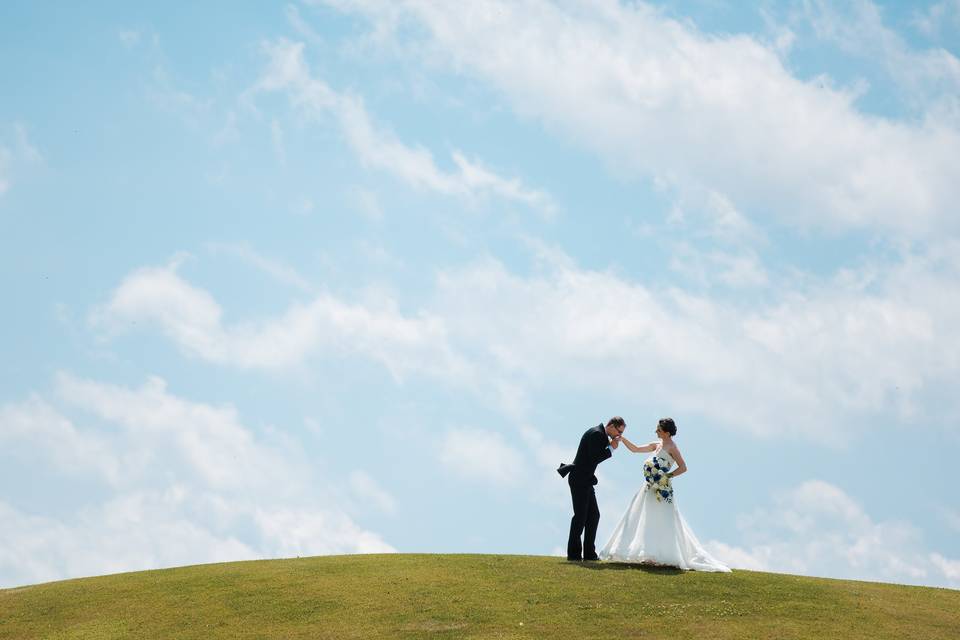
(664, 456)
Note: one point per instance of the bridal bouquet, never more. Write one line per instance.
(655, 473)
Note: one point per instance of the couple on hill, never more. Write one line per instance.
(652, 531)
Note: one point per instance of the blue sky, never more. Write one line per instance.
(353, 276)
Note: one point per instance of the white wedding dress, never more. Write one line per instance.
(652, 531)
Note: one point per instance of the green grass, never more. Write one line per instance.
(469, 596)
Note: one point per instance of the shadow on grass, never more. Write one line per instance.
(630, 566)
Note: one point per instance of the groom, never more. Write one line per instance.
(596, 445)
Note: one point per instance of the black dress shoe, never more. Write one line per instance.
(574, 560)
(593, 559)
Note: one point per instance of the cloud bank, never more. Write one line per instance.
(878, 340)
(657, 97)
(169, 482)
(816, 528)
(288, 71)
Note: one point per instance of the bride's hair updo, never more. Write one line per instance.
(667, 424)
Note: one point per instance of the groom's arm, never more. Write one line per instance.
(600, 448)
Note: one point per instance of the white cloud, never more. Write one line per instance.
(369, 491)
(300, 25)
(22, 153)
(736, 557)
(139, 530)
(380, 148)
(129, 37)
(26, 148)
(736, 270)
(925, 77)
(181, 482)
(831, 351)
(817, 529)
(5, 159)
(34, 431)
(841, 350)
(226, 131)
(657, 97)
(191, 317)
(166, 94)
(932, 21)
(377, 254)
(949, 568)
(276, 269)
(710, 215)
(367, 203)
(309, 532)
(210, 441)
(547, 453)
(951, 517)
(481, 455)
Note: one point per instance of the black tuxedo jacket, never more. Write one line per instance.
(594, 448)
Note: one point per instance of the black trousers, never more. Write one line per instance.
(586, 517)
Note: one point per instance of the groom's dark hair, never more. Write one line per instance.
(618, 422)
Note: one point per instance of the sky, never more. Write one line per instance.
(354, 276)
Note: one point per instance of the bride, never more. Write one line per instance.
(652, 531)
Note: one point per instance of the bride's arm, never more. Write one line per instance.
(629, 445)
(681, 465)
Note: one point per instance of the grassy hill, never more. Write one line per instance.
(469, 596)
